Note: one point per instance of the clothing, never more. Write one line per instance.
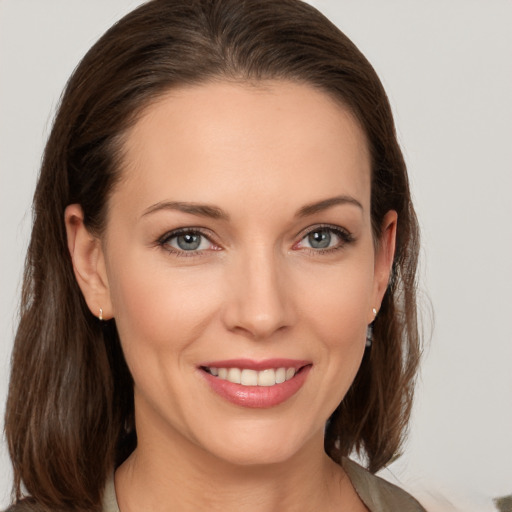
(376, 493)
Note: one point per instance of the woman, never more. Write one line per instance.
(219, 299)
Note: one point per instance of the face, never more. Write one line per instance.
(240, 267)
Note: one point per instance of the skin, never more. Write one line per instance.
(256, 289)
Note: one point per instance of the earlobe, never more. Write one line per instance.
(384, 257)
(88, 263)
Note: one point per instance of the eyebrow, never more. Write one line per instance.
(325, 204)
(214, 212)
(202, 210)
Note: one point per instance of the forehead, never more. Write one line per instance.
(273, 140)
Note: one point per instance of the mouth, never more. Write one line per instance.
(254, 384)
(247, 377)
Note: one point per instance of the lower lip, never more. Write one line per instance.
(257, 397)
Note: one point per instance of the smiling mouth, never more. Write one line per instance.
(247, 377)
(256, 384)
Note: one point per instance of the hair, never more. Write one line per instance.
(70, 411)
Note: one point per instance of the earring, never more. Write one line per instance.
(369, 336)
(369, 330)
(100, 317)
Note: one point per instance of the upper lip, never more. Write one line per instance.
(251, 364)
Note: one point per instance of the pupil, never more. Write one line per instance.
(320, 239)
(189, 242)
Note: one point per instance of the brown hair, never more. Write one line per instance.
(69, 417)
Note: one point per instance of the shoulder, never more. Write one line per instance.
(378, 494)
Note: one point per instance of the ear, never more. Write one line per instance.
(88, 263)
(384, 255)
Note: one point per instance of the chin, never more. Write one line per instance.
(254, 456)
(267, 445)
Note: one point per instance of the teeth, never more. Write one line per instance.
(249, 378)
(267, 378)
(246, 377)
(290, 373)
(234, 375)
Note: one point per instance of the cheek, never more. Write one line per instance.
(335, 303)
(337, 299)
(159, 309)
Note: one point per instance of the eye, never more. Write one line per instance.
(325, 238)
(186, 241)
(321, 239)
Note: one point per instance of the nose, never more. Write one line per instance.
(259, 297)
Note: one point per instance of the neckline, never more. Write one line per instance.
(110, 503)
(373, 491)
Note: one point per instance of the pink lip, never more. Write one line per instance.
(257, 396)
(257, 365)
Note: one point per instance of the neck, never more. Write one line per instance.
(165, 478)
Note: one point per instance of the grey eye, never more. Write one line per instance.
(188, 241)
(320, 239)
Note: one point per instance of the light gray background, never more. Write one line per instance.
(446, 65)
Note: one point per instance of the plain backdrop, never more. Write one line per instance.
(447, 67)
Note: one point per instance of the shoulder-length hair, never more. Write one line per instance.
(69, 417)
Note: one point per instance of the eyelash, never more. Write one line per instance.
(344, 235)
(164, 240)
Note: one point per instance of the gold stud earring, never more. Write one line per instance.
(100, 317)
